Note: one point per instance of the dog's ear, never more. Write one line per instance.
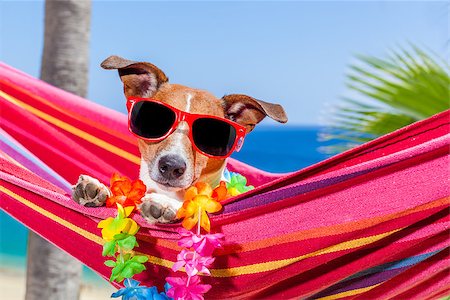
(140, 79)
(249, 111)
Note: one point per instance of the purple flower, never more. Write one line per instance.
(193, 262)
(180, 289)
(204, 244)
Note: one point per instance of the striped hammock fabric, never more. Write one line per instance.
(370, 223)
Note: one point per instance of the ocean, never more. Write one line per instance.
(273, 149)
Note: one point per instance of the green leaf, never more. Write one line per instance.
(241, 180)
(140, 258)
(110, 263)
(126, 257)
(116, 271)
(120, 236)
(248, 188)
(109, 248)
(389, 93)
(137, 267)
(119, 278)
(127, 272)
(127, 243)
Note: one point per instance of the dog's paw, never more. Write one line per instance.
(90, 192)
(159, 208)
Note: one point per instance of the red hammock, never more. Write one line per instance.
(369, 223)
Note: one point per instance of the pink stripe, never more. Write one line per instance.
(76, 159)
(108, 117)
(409, 136)
(370, 195)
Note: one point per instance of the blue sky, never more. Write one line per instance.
(293, 53)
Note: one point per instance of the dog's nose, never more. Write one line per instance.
(171, 166)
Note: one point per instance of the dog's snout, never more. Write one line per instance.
(171, 166)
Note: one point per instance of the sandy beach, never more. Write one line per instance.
(12, 285)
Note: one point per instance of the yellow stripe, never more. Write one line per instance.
(336, 229)
(349, 293)
(67, 112)
(80, 231)
(277, 264)
(73, 130)
(230, 272)
(84, 233)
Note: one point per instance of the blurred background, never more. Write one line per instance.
(324, 61)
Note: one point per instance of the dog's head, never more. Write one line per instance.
(173, 164)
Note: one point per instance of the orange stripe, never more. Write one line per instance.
(332, 230)
(308, 234)
(73, 227)
(227, 272)
(72, 114)
(161, 242)
(73, 130)
(281, 263)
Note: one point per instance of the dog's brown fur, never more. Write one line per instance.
(142, 79)
(205, 103)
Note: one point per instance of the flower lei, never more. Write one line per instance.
(196, 256)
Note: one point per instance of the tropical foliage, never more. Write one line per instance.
(387, 94)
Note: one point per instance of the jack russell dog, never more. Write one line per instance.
(184, 136)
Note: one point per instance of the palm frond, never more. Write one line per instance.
(405, 87)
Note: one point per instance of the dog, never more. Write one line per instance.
(204, 130)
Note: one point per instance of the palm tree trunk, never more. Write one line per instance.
(52, 273)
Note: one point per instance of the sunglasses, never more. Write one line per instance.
(212, 136)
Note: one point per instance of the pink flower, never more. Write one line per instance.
(204, 244)
(193, 263)
(180, 289)
(186, 237)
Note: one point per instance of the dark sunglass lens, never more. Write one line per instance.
(151, 120)
(213, 136)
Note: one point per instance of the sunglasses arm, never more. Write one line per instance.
(130, 102)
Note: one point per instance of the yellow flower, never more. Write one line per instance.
(234, 191)
(119, 224)
(197, 202)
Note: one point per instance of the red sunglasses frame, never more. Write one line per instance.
(189, 118)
